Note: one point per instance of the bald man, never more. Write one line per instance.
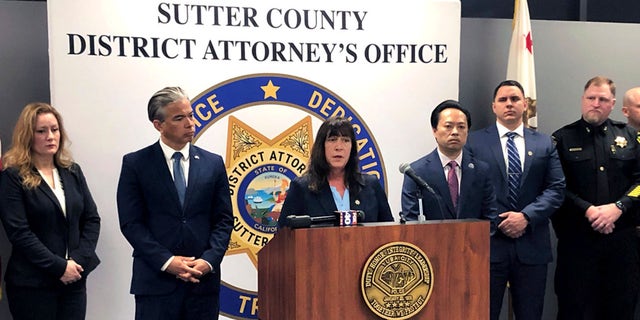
(631, 107)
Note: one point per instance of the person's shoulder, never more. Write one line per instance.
(368, 179)
(303, 179)
(482, 131)
(537, 135)
(566, 129)
(622, 126)
(10, 171)
(144, 152)
(200, 152)
(424, 160)
(472, 162)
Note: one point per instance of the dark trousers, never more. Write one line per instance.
(182, 304)
(59, 303)
(597, 278)
(527, 284)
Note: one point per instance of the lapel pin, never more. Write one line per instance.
(471, 166)
(357, 202)
(196, 157)
(530, 153)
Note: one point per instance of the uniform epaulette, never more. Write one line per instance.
(618, 123)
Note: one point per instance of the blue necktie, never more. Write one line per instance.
(514, 171)
(178, 177)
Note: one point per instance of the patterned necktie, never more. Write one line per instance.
(452, 181)
(514, 171)
(178, 177)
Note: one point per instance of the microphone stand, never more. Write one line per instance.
(421, 216)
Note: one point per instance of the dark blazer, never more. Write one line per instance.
(541, 192)
(156, 225)
(476, 199)
(301, 201)
(41, 234)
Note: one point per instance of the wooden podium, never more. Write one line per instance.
(315, 273)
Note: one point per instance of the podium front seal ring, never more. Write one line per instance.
(397, 281)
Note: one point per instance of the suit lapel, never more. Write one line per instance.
(195, 174)
(494, 143)
(326, 200)
(159, 162)
(468, 178)
(530, 147)
(44, 187)
(436, 169)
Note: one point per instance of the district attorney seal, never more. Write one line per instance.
(397, 281)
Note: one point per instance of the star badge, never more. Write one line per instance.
(620, 141)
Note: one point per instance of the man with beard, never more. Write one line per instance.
(597, 266)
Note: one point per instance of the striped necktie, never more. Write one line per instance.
(514, 171)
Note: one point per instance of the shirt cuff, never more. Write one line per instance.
(166, 264)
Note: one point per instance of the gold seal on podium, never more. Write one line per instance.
(397, 281)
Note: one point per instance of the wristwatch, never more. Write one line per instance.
(621, 206)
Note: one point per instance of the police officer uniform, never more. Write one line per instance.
(597, 274)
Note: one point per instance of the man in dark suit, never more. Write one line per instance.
(175, 211)
(471, 194)
(521, 248)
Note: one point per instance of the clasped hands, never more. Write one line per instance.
(188, 269)
(514, 224)
(71, 273)
(603, 217)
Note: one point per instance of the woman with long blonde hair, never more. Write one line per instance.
(50, 218)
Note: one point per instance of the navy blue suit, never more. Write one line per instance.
(541, 193)
(158, 227)
(43, 236)
(301, 201)
(476, 199)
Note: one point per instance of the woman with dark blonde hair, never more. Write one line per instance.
(50, 218)
(333, 180)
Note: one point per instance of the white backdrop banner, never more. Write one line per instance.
(262, 75)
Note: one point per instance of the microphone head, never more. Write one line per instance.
(404, 167)
(295, 222)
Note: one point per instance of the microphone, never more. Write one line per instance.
(306, 221)
(405, 168)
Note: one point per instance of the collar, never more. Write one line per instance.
(589, 128)
(168, 151)
(444, 160)
(502, 130)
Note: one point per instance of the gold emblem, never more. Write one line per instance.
(620, 141)
(397, 281)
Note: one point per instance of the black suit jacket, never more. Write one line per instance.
(158, 227)
(41, 234)
(301, 201)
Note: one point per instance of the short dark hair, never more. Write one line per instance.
(448, 104)
(508, 83)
